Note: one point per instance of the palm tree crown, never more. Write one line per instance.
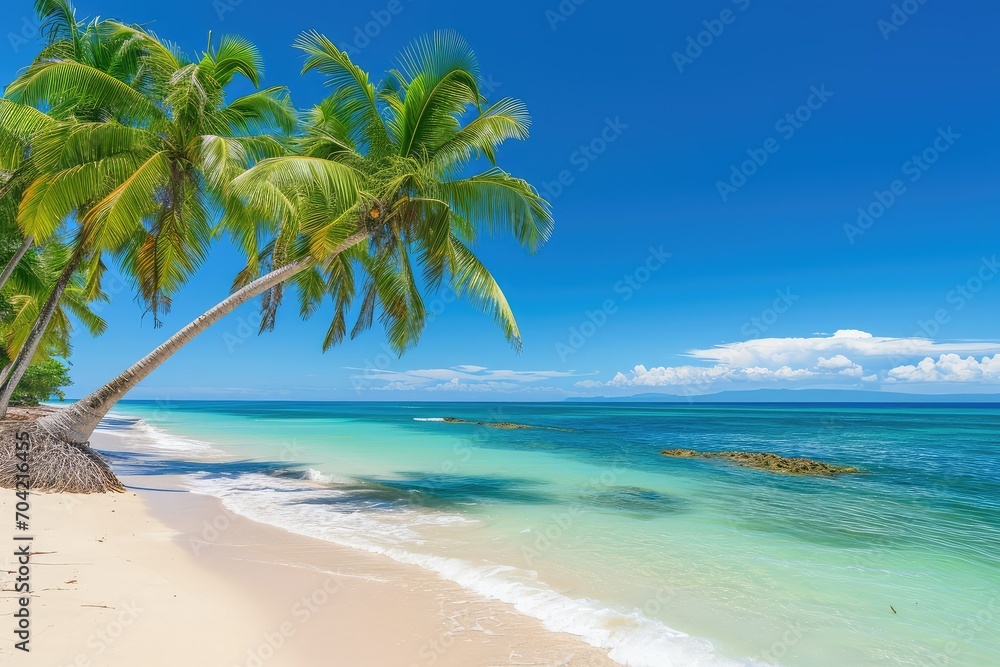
(391, 162)
(145, 145)
(382, 193)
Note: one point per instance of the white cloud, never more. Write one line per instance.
(464, 377)
(820, 360)
(662, 376)
(841, 364)
(949, 368)
(494, 387)
(851, 343)
(836, 362)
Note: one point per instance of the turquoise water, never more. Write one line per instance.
(662, 561)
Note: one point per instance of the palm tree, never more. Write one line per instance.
(143, 185)
(69, 41)
(381, 181)
(18, 123)
(71, 48)
(27, 291)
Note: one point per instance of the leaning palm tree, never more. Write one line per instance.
(142, 187)
(384, 179)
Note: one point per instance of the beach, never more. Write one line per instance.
(160, 576)
(299, 533)
(393, 336)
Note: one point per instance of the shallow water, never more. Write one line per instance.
(663, 561)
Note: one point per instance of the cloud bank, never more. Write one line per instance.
(461, 378)
(848, 358)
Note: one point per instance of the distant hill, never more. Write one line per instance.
(795, 396)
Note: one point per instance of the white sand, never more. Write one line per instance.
(155, 578)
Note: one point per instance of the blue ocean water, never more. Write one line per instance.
(583, 524)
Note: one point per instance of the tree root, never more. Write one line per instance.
(54, 466)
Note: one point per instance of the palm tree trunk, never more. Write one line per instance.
(14, 261)
(76, 423)
(24, 357)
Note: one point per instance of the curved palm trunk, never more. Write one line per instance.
(17, 368)
(14, 261)
(77, 422)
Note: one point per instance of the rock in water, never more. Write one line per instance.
(506, 425)
(768, 461)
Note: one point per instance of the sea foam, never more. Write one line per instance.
(158, 440)
(313, 506)
(630, 637)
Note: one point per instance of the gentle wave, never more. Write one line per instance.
(630, 637)
(327, 507)
(428, 419)
(125, 426)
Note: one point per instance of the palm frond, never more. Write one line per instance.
(472, 279)
(236, 55)
(343, 75)
(499, 203)
(442, 82)
(60, 82)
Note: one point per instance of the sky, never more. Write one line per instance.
(747, 194)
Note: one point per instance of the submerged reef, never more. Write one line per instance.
(767, 461)
(506, 425)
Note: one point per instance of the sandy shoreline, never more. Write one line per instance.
(164, 577)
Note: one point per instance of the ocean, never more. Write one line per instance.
(581, 522)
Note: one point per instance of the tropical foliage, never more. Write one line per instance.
(390, 162)
(18, 309)
(142, 149)
(43, 381)
(126, 149)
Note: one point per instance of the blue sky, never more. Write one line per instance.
(747, 194)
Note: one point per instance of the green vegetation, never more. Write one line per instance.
(118, 147)
(43, 381)
(137, 159)
(47, 376)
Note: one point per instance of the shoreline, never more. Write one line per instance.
(113, 575)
